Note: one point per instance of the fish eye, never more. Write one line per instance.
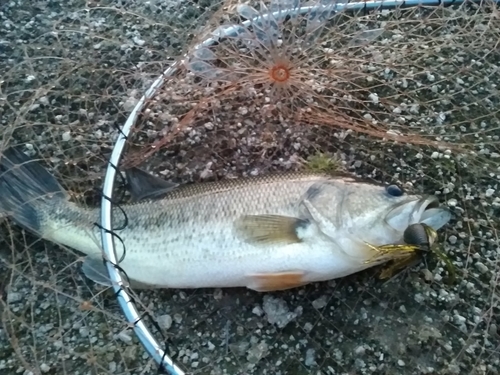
(394, 190)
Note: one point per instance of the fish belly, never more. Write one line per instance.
(218, 263)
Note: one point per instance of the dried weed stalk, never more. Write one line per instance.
(424, 76)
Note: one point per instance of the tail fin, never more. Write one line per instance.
(25, 187)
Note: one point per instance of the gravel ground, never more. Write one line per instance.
(72, 70)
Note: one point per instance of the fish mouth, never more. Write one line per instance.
(425, 210)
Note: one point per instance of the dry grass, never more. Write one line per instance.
(408, 95)
(405, 77)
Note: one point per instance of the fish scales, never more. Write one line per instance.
(188, 228)
(196, 229)
(265, 233)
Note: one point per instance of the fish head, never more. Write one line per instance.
(377, 214)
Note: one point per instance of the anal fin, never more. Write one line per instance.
(94, 269)
(268, 282)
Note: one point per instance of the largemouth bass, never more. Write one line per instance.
(264, 233)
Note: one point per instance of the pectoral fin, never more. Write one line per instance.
(269, 229)
(268, 282)
(143, 185)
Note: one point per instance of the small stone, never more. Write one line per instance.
(14, 297)
(489, 192)
(258, 311)
(452, 239)
(66, 136)
(454, 369)
(125, 337)
(310, 357)
(84, 331)
(178, 318)
(401, 363)
(493, 330)
(428, 276)
(481, 267)
(419, 298)
(374, 98)
(427, 332)
(360, 350)
(138, 41)
(257, 352)
(320, 302)
(44, 367)
(359, 363)
(459, 319)
(308, 327)
(441, 118)
(44, 100)
(58, 344)
(165, 321)
(277, 311)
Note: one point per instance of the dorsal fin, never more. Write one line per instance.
(144, 185)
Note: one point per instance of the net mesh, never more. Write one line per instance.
(407, 95)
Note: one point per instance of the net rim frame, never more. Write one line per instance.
(124, 299)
